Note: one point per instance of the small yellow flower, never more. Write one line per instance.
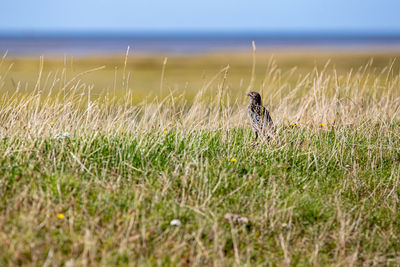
(165, 132)
(27, 127)
(292, 124)
(322, 124)
(338, 143)
(51, 123)
(285, 116)
(228, 130)
(233, 159)
(60, 216)
(122, 130)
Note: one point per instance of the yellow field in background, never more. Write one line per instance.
(141, 74)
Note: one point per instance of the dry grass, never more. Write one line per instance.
(93, 173)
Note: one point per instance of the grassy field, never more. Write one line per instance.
(96, 162)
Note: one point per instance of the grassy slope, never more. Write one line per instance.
(320, 194)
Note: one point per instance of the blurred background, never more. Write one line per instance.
(198, 38)
(176, 26)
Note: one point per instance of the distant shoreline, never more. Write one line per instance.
(81, 44)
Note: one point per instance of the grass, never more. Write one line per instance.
(96, 179)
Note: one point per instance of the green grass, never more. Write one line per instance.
(308, 198)
(322, 192)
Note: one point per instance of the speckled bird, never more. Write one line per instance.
(259, 117)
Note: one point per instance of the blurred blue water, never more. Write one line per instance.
(108, 43)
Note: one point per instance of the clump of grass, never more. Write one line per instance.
(95, 179)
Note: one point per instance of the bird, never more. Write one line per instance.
(259, 117)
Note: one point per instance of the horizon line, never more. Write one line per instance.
(198, 33)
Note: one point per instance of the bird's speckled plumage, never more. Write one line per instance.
(259, 117)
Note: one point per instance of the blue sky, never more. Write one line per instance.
(204, 15)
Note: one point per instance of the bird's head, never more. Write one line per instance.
(254, 97)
